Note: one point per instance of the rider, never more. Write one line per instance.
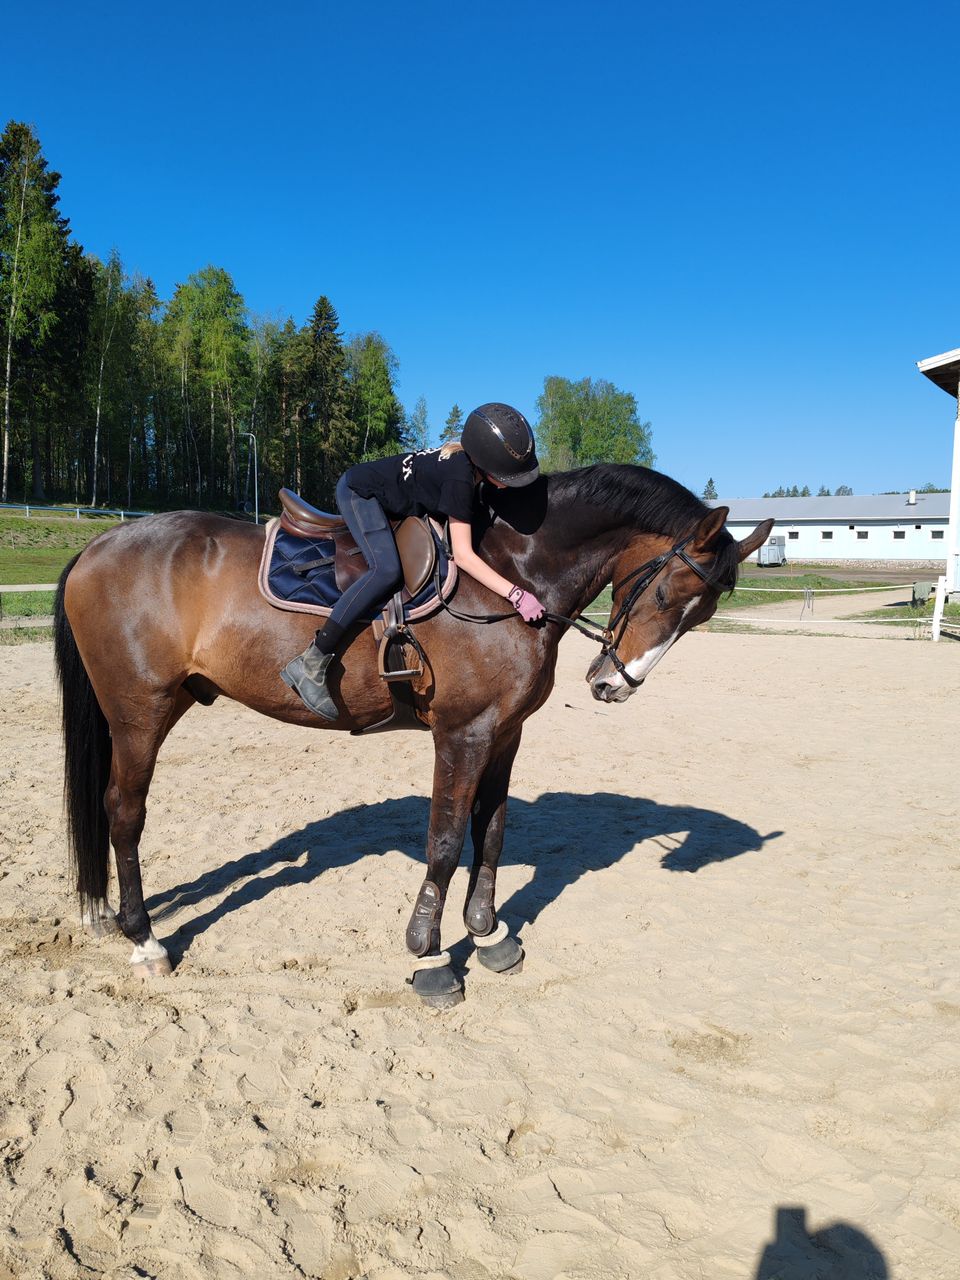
(496, 445)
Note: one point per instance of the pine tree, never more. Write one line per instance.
(710, 491)
(417, 429)
(326, 419)
(453, 426)
(823, 492)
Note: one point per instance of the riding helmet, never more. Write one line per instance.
(498, 441)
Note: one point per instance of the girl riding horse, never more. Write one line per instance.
(496, 446)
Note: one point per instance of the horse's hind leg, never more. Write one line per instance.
(99, 918)
(135, 746)
(496, 950)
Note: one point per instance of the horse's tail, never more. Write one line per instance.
(87, 747)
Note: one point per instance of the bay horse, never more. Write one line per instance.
(157, 616)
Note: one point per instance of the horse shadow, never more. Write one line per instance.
(837, 1252)
(561, 835)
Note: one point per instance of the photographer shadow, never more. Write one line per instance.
(837, 1252)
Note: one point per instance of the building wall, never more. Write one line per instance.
(880, 542)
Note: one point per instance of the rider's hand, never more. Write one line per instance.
(526, 604)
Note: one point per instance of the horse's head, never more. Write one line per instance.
(656, 600)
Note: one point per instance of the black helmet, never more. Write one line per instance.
(499, 441)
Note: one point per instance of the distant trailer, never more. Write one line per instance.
(774, 552)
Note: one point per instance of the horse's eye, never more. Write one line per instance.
(661, 597)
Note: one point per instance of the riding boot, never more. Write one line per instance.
(307, 675)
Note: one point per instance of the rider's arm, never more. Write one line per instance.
(467, 559)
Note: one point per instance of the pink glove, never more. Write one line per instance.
(526, 604)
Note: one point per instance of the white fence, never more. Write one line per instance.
(67, 512)
(936, 624)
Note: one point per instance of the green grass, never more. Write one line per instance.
(745, 598)
(23, 635)
(911, 611)
(36, 550)
(26, 604)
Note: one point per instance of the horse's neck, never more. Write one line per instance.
(566, 562)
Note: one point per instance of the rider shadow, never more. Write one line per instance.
(597, 831)
(837, 1252)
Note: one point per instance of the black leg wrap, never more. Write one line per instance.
(439, 988)
(502, 957)
(423, 931)
(479, 915)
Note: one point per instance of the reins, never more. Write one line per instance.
(604, 636)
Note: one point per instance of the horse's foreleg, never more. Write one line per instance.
(495, 948)
(459, 763)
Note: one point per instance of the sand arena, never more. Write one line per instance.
(741, 993)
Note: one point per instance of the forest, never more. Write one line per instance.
(115, 397)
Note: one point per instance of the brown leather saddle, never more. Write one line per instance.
(415, 542)
(418, 558)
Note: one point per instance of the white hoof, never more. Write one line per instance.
(99, 919)
(150, 960)
(146, 969)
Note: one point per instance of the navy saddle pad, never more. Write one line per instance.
(315, 589)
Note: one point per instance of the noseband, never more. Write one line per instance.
(604, 636)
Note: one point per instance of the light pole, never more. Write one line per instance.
(256, 490)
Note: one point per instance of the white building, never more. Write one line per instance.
(886, 526)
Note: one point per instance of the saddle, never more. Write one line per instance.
(414, 539)
(310, 558)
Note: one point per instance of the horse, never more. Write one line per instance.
(156, 617)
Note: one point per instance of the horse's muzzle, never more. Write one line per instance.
(606, 683)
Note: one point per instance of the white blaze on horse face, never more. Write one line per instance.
(640, 668)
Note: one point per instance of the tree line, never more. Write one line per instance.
(113, 396)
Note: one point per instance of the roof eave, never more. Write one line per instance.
(943, 371)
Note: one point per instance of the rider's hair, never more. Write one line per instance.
(451, 447)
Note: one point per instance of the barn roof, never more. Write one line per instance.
(871, 506)
(943, 370)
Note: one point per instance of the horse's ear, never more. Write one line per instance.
(756, 539)
(710, 528)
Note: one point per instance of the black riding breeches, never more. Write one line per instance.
(370, 527)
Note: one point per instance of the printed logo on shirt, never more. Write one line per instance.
(406, 472)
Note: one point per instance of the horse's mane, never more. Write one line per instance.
(648, 500)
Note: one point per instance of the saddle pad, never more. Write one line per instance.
(316, 591)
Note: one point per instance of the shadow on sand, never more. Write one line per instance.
(837, 1252)
(566, 835)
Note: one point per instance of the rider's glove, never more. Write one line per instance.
(526, 604)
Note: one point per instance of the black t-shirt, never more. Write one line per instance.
(418, 484)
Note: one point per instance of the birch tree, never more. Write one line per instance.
(32, 240)
(108, 286)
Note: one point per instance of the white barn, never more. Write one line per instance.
(885, 526)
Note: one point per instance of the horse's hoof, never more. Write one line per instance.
(438, 988)
(102, 927)
(147, 969)
(99, 919)
(502, 957)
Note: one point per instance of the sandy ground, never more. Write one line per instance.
(741, 994)
(829, 614)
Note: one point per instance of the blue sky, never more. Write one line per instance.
(745, 214)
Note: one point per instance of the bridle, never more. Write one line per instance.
(607, 637)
